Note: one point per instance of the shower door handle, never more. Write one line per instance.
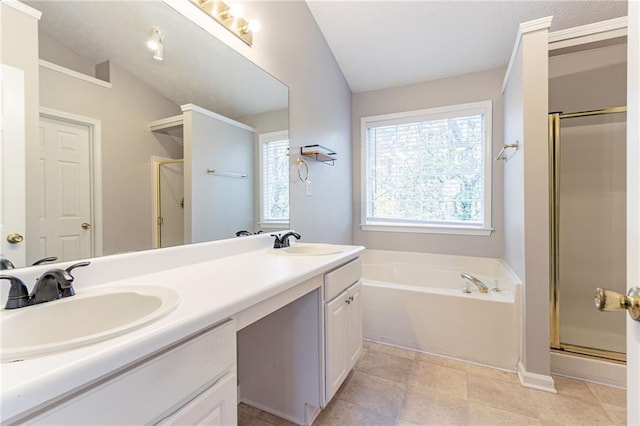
(608, 300)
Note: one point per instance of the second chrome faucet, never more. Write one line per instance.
(482, 287)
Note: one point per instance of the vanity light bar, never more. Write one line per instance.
(229, 17)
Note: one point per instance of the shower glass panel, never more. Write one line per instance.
(170, 203)
(590, 209)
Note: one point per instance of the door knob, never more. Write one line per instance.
(607, 300)
(86, 225)
(15, 238)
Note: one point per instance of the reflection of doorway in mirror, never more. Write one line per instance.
(12, 149)
(169, 202)
(65, 227)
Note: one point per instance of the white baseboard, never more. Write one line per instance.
(272, 411)
(590, 370)
(535, 381)
(312, 413)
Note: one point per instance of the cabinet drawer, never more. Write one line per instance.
(338, 280)
(153, 389)
(216, 406)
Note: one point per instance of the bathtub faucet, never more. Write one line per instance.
(481, 286)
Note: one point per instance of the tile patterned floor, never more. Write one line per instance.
(397, 387)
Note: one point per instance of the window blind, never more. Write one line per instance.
(428, 171)
(275, 180)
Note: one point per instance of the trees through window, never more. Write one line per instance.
(429, 169)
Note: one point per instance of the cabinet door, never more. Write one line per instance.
(336, 343)
(150, 391)
(354, 338)
(216, 406)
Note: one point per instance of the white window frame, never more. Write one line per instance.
(483, 107)
(262, 139)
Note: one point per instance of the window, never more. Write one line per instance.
(428, 170)
(274, 165)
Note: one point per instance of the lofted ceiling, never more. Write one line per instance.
(381, 44)
(197, 68)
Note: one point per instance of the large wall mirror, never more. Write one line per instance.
(141, 149)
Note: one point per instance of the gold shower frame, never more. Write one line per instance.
(554, 232)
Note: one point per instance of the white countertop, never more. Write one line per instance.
(210, 292)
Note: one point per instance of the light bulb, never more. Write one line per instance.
(235, 10)
(155, 39)
(159, 54)
(254, 26)
(152, 44)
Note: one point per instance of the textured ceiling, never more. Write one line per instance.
(197, 68)
(380, 44)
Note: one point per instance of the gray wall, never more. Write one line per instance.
(527, 195)
(52, 50)
(267, 122)
(216, 206)
(450, 91)
(127, 146)
(292, 48)
(588, 80)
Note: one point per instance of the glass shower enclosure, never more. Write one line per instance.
(169, 175)
(588, 229)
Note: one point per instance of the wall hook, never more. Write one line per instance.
(501, 155)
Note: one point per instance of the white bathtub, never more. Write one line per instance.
(414, 300)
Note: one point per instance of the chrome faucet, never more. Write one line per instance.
(481, 286)
(53, 284)
(18, 295)
(7, 264)
(283, 241)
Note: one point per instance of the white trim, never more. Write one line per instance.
(203, 111)
(168, 123)
(535, 25)
(481, 107)
(535, 381)
(74, 74)
(633, 208)
(590, 370)
(95, 134)
(449, 230)
(274, 225)
(589, 29)
(593, 38)
(27, 10)
(525, 27)
(473, 107)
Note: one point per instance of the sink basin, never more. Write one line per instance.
(90, 316)
(304, 249)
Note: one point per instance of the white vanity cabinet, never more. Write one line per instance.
(191, 382)
(343, 324)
